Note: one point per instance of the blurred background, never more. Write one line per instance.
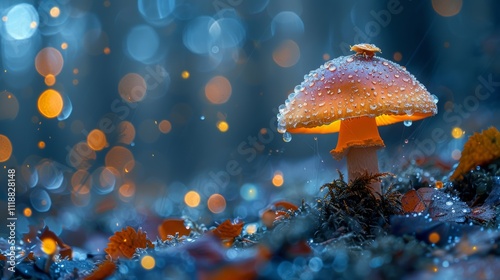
(117, 113)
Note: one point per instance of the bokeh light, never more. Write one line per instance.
(457, 133)
(5, 148)
(287, 23)
(456, 154)
(50, 80)
(142, 43)
(21, 21)
(96, 139)
(120, 158)
(278, 179)
(218, 90)
(9, 106)
(216, 203)
(397, 56)
(107, 178)
(127, 191)
(222, 126)
(132, 87)
(27, 212)
(192, 199)
(49, 175)
(49, 246)
(41, 145)
(447, 8)
(55, 12)
(50, 103)
(287, 54)
(434, 237)
(156, 12)
(165, 126)
(40, 200)
(49, 61)
(81, 181)
(126, 132)
(148, 262)
(185, 74)
(205, 35)
(249, 192)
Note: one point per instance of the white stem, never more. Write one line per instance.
(361, 161)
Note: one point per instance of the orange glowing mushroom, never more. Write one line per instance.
(353, 95)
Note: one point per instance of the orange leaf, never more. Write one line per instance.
(417, 200)
(124, 243)
(276, 211)
(227, 231)
(480, 149)
(105, 269)
(170, 227)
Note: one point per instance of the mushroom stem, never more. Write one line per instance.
(359, 141)
(362, 161)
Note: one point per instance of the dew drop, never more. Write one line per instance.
(435, 98)
(449, 203)
(203, 117)
(349, 59)
(373, 106)
(385, 63)
(407, 122)
(396, 75)
(281, 128)
(339, 91)
(287, 137)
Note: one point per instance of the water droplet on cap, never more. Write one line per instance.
(281, 128)
(407, 122)
(287, 137)
(435, 98)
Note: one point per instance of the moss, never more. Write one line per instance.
(353, 208)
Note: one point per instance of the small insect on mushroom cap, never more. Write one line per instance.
(366, 49)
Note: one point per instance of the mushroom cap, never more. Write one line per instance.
(355, 86)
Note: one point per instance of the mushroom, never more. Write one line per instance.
(353, 95)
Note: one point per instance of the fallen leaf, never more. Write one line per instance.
(417, 200)
(124, 243)
(446, 208)
(105, 269)
(169, 227)
(480, 149)
(275, 211)
(482, 214)
(228, 231)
